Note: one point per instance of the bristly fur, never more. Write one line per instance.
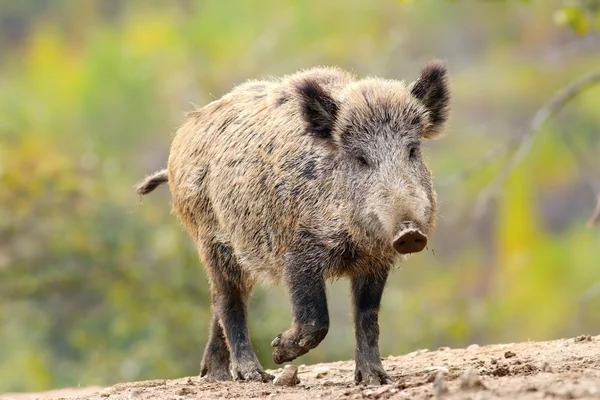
(296, 181)
(151, 182)
(318, 109)
(433, 91)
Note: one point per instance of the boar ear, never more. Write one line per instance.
(432, 89)
(317, 107)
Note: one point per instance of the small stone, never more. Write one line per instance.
(431, 376)
(321, 372)
(473, 347)
(443, 348)
(546, 367)
(501, 370)
(524, 369)
(401, 385)
(509, 354)
(184, 391)
(471, 380)
(583, 338)
(289, 376)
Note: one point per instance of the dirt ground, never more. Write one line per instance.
(560, 369)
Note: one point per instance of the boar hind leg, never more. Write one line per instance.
(230, 289)
(366, 295)
(309, 306)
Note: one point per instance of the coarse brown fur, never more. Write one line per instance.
(298, 180)
(151, 182)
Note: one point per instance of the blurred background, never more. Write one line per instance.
(96, 289)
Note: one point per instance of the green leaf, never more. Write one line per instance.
(574, 17)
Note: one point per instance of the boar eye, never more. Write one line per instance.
(412, 153)
(362, 161)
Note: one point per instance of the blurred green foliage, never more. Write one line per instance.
(582, 16)
(95, 288)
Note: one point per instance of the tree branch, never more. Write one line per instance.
(523, 145)
(596, 215)
(585, 166)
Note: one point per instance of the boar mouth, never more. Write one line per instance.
(409, 240)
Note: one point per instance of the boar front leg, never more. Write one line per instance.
(303, 276)
(366, 295)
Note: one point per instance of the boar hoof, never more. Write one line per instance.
(371, 375)
(214, 369)
(250, 372)
(215, 375)
(298, 341)
(287, 349)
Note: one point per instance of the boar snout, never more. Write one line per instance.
(410, 239)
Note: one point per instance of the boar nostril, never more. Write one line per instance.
(410, 241)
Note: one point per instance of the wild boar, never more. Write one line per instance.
(297, 180)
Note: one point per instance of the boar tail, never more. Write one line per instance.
(151, 182)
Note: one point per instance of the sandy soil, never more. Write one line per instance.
(560, 369)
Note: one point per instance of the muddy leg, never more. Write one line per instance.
(309, 305)
(215, 362)
(230, 291)
(366, 295)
